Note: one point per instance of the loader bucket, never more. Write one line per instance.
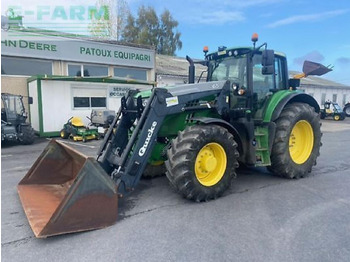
(65, 192)
(315, 69)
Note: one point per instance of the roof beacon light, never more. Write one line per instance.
(205, 50)
(255, 38)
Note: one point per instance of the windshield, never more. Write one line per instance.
(337, 107)
(229, 68)
(13, 105)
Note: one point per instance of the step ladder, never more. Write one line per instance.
(262, 146)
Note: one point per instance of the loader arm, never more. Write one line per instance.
(125, 156)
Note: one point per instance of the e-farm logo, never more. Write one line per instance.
(54, 13)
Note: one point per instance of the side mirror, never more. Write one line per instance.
(268, 59)
(293, 83)
(30, 100)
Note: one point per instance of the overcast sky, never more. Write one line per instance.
(303, 29)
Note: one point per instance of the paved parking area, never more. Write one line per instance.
(260, 218)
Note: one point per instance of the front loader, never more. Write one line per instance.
(247, 111)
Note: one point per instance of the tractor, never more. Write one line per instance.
(247, 112)
(77, 131)
(332, 109)
(13, 120)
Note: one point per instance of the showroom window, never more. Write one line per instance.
(139, 74)
(88, 70)
(88, 98)
(25, 66)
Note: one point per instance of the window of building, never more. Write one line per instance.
(81, 101)
(89, 98)
(139, 74)
(334, 98)
(25, 66)
(88, 70)
(323, 99)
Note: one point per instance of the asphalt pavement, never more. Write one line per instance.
(260, 218)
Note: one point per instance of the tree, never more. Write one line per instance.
(108, 25)
(169, 41)
(149, 29)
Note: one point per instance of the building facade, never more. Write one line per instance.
(69, 75)
(26, 53)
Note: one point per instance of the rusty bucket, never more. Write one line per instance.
(65, 192)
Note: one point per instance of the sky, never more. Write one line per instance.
(302, 29)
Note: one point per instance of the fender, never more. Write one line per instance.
(282, 98)
(225, 124)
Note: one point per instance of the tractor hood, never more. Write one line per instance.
(185, 89)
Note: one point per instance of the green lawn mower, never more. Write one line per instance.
(77, 131)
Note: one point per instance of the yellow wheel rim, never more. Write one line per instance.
(336, 118)
(210, 164)
(62, 134)
(301, 142)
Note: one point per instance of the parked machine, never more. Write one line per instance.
(76, 130)
(247, 112)
(346, 109)
(332, 109)
(102, 119)
(13, 120)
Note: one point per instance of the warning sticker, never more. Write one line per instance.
(172, 101)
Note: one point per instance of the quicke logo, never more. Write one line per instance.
(150, 131)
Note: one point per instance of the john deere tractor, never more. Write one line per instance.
(247, 111)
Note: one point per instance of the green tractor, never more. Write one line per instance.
(247, 112)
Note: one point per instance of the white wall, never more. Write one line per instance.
(329, 91)
(57, 101)
(33, 108)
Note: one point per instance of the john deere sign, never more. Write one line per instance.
(58, 48)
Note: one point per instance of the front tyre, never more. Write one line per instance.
(64, 134)
(201, 162)
(27, 135)
(297, 141)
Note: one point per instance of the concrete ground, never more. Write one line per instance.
(260, 218)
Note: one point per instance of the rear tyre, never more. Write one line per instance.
(347, 110)
(27, 137)
(64, 134)
(201, 162)
(297, 141)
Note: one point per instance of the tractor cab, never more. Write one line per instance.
(13, 120)
(254, 76)
(12, 109)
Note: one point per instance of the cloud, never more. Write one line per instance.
(343, 61)
(313, 56)
(307, 18)
(216, 18)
